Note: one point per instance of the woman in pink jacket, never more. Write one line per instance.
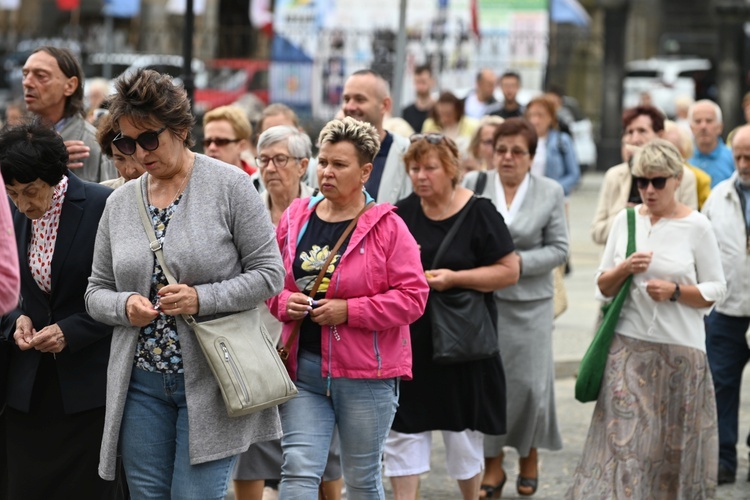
(9, 271)
(353, 345)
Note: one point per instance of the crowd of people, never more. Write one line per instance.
(351, 254)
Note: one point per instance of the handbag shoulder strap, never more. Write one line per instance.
(481, 182)
(349, 228)
(155, 244)
(631, 231)
(452, 232)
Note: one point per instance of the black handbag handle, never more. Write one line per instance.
(452, 232)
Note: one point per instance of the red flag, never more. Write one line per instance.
(475, 18)
(68, 4)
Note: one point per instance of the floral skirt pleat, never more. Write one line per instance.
(653, 434)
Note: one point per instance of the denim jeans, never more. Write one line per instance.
(728, 354)
(363, 410)
(154, 443)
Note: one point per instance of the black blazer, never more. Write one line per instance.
(82, 365)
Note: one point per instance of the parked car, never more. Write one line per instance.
(667, 78)
(229, 80)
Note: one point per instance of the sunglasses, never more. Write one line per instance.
(431, 138)
(657, 182)
(149, 141)
(220, 142)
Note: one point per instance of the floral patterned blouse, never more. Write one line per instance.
(158, 348)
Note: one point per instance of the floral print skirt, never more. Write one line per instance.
(654, 432)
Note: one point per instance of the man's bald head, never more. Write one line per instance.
(741, 154)
(485, 84)
(367, 98)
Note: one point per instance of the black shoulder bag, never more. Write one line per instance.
(462, 326)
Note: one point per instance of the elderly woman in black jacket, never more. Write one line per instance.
(58, 353)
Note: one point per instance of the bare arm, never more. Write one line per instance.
(611, 280)
(503, 273)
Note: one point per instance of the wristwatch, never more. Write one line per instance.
(676, 294)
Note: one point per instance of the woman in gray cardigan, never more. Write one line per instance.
(164, 410)
(533, 210)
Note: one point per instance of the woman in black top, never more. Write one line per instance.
(461, 399)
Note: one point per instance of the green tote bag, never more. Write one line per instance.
(591, 370)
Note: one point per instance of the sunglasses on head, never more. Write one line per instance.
(657, 182)
(149, 141)
(431, 138)
(220, 142)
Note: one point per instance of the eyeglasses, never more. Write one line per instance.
(279, 160)
(515, 152)
(149, 141)
(657, 182)
(431, 138)
(219, 141)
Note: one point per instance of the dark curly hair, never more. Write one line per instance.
(150, 98)
(32, 151)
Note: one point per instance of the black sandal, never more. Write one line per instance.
(527, 482)
(496, 491)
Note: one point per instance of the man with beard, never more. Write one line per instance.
(367, 98)
(416, 113)
(53, 91)
(728, 209)
(711, 154)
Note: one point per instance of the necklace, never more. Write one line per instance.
(450, 204)
(180, 189)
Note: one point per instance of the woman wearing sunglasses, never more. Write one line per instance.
(127, 166)
(534, 211)
(353, 343)
(654, 431)
(464, 399)
(165, 413)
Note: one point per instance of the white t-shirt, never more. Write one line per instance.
(539, 163)
(684, 251)
(473, 107)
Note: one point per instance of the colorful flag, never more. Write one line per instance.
(68, 4)
(261, 16)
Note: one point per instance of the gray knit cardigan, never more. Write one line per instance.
(221, 241)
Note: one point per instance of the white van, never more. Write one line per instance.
(666, 79)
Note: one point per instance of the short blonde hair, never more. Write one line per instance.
(363, 136)
(236, 118)
(685, 142)
(658, 157)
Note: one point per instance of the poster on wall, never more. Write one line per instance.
(329, 39)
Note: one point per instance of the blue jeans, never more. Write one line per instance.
(728, 353)
(363, 410)
(154, 443)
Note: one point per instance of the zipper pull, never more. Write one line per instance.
(328, 386)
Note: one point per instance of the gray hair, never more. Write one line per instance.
(298, 143)
(717, 109)
(363, 136)
(658, 157)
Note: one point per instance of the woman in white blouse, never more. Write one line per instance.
(654, 431)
